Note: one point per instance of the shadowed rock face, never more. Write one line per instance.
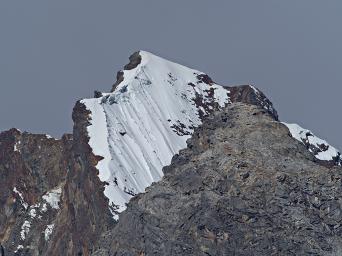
(85, 212)
(134, 60)
(33, 169)
(31, 166)
(250, 95)
(242, 187)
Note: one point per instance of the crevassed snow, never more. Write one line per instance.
(305, 136)
(141, 125)
(53, 197)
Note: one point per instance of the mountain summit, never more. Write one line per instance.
(170, 163)
(145, 121)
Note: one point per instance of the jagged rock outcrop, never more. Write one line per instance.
(243, 186)
(33, 170)
(84, 211)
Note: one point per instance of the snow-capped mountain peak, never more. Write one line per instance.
(147, 118)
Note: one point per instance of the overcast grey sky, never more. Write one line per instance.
(53, 53)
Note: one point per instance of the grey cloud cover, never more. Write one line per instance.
(55, 52)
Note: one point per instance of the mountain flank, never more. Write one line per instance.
(170, 163)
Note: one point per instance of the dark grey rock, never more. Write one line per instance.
(253, 190)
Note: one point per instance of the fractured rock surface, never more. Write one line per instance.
(242, 187)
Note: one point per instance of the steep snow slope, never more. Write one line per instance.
(320, 148)
(145, 121)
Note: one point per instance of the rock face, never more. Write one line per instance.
(33, 171)
(239, 183)
(84, 210)
(242, 187)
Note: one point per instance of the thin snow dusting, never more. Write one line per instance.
(53, 197)
(147, 119)
(48, 231)
(320, 148)
(263, 103)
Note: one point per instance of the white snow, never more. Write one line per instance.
(44, 207)
(22, 201)
(50, 137)
(48, 231)
(135, 127)
(25, 229)
(303, 135)
(53, 197)
(16, 147)
(19, 248)
(33, 213)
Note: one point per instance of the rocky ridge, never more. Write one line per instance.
(33, 171)
(243, 186)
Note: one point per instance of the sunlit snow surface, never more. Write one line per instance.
(141, 125)
(320, 148)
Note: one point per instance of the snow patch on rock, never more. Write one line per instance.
(35, 212)
(53, 197)
(320, 148)
(48, 231)
(22, 201)
(19, 247)
(25, 229)
(16, 146)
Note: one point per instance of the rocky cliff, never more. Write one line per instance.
(33, 171)
(222, 175)
(243, 186)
